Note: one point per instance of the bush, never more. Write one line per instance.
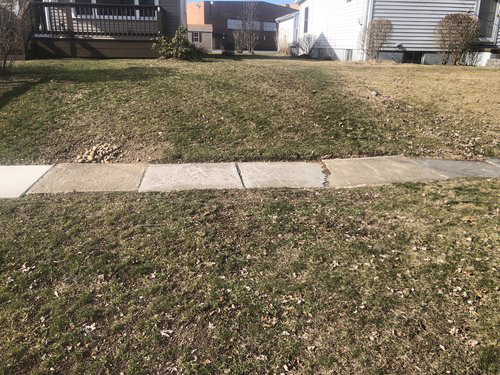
(456, 34)
(178, 47)
(374, 36)
(307, 44)
(14, 24)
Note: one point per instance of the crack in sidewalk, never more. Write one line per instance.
(239, 174)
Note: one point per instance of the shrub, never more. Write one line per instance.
(307, 44)
(456, 34)
(178, 47)
(374, 36)
(284, 47)
(14, 25)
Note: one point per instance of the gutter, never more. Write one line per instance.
(286, 17)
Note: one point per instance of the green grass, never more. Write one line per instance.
(397, 279)
(245, 109)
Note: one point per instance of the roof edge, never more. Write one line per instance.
(286, 16)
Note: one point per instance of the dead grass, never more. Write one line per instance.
(396, 279)
(246, 109)
(462, 92)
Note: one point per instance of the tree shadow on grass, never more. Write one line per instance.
(10, 90)
(27, 78)
(93, 75)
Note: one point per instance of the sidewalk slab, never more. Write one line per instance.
(376, 171)
(174, 177)
(282, 175)
(16, 180)
(66, 178)
(460, 168)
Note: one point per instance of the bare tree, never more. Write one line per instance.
(247, 36)
(374, 36)
(14, 21)
(307, 44)
(239, 41)
(456, 34)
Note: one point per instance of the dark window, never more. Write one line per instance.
(112, 11)
(306, 20)
(83, 10)
(147, 12)
(410, 57)
(348, 55)
(487, 15)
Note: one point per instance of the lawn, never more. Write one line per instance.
(398, 279)
(246, 109)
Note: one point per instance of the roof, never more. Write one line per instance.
(204, 27)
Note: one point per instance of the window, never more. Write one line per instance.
(487, 15)
(348, 55)
(410, 57)
(113, 11)
(196, 37)
(234, 24)
(147, 13)
(83, 11)
(254, 25)
(238, 25)
(306, 20)
(269, 26)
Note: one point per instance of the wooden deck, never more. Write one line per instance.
(94, 30)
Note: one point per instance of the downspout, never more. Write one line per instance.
(182, 15)
(368, 19)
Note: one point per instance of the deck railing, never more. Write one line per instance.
(82, 20)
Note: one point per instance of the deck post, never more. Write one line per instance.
(161, 22)
(69, 22)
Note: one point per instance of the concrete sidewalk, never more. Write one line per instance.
(335, 173)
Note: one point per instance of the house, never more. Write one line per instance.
(225, 18)
(201, 36)
(288, 31)
(102, 28)
(337, 26)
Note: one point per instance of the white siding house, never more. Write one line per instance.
(337, 26)
(288, 30)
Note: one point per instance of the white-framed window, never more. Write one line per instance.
(196, 37)
(488, 13)
(115, 13)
